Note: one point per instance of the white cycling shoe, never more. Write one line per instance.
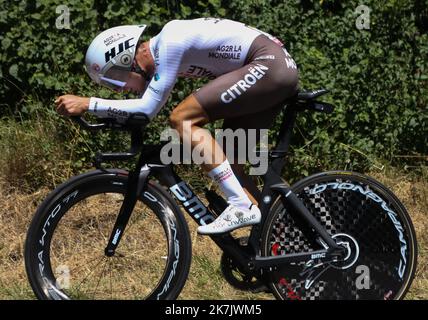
(232, 218)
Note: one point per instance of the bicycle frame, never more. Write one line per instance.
(248, 257)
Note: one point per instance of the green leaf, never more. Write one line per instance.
(215, 3)
(221, 12)
(13, 71)
(36, 16)
(185, 10)
(6, 42)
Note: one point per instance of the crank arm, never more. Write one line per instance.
(274, 262)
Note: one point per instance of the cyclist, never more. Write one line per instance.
(251, 73)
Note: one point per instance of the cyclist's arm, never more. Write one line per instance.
(157, 91)
(149, 103)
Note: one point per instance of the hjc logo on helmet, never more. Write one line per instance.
(121, 47)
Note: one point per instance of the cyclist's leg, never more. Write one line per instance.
(256, 121)
(250, 187)
(191, 111)
(188, 118)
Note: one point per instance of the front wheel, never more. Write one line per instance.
(64, 250)
(364, 217)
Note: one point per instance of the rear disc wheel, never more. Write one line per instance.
(362, 215)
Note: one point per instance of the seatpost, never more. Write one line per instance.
(284, 136)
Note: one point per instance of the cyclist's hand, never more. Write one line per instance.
(70, 105)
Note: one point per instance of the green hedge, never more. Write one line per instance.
(378, 77)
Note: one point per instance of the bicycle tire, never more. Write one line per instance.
(81, 210)
(351, 206)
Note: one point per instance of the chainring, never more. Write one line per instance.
(238, 278)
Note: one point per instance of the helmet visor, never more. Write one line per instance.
(115, 78)
(112, 84)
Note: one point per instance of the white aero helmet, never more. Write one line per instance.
(110, 56)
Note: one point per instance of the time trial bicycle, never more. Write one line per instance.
(117, 234)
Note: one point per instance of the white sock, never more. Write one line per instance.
(230, 185)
